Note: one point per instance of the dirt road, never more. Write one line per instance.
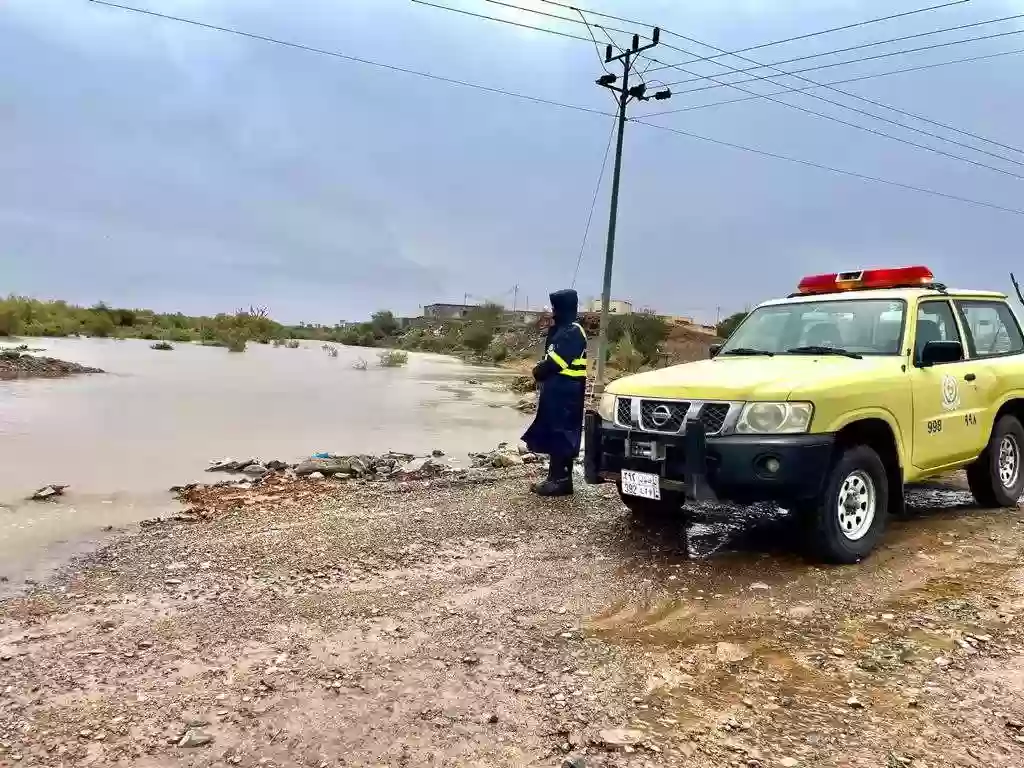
(469, 623)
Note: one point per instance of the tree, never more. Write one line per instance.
(729, 324)
(384, 323)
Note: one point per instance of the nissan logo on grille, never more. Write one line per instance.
(660, 416)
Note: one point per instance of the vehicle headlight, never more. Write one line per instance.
(774, 418)
(606, 407)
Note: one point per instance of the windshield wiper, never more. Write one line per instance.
(748, 351)
(812, 350)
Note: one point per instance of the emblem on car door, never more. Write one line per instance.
(950, 393)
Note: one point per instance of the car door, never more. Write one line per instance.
(995, 345)
(945, 398)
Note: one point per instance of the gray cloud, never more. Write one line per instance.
(151, 163)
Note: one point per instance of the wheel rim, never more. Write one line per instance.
(856, 505)
(1009, 461)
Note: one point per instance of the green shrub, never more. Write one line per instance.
(626, 357)
(477, 338)
(730, 324)
(392, 358)
(10, 323)
(180, 335)
(292, 344)
(645, 333)
(383, 323)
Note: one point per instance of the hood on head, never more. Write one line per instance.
(564, 306)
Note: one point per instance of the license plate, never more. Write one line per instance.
(643, 484)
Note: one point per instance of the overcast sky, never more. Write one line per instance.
(149, 163)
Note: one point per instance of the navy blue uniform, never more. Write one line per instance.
(562, 377)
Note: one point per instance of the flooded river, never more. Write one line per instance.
(155, 419)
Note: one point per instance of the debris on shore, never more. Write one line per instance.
(15, 364)
(48, 492)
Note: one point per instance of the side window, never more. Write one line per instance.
(935, 322)
(991, 328)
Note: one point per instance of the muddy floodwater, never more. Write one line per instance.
(156, 418)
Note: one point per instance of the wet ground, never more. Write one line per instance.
(469, 623)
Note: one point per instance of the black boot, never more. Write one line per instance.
(559, 482)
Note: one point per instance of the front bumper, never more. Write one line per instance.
(738, 468)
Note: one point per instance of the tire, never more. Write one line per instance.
(996, 478)
(847, 520)
(670, 506)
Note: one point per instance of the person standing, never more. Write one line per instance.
(561, 377)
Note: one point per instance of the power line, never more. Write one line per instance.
(785, 40)
(593, 205)
(851, 61)
(501, 21)
(874, 131)
(770, 97)
(356, 59)
(904, 70)
(438, 78)
(561, 18)
(832, 169)
(861, 46)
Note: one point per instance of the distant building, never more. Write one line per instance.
(615, 307)
(523, 316)
(447, 311)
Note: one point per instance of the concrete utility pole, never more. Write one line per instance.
(626, 94)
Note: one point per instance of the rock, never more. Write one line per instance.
(527, 405)
(277, 465)
(437, 453)
(838, 652)
(574, 762)
(328, 466)
(502, 460)
(530, 458)
(759, 585)
(255, 470)
(616, 738)
(854, 703)
(195, 738)
(492, 718)
(315, 475)
(414, 467)
(359, 467)
(48, 492)
(470, 659)
(731, 653)
(789, 762)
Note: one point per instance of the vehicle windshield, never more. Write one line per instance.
(858, 326)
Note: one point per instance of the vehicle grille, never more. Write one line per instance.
(676, 415)
(712, 417)
(624, 410)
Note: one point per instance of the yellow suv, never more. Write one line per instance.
(828, 402)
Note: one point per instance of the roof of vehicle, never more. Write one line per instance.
(888, 293)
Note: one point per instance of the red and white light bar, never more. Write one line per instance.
(867, 279)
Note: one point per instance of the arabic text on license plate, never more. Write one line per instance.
(642, 484)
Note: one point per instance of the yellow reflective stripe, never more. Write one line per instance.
(571, 372)
(579, 361)
(558, 359)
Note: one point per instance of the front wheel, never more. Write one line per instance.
(996, 478)
(844, 524)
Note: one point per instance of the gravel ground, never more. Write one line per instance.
(466, 622)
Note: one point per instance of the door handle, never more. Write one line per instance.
(970, 377)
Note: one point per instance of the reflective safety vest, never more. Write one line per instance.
(577, 368)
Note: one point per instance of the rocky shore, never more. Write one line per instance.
(15, 364)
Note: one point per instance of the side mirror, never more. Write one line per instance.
(939, 352)
(714, 349)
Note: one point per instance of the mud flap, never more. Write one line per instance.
(592, 448)
(696, 463)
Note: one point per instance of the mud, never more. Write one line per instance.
(468, 623)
